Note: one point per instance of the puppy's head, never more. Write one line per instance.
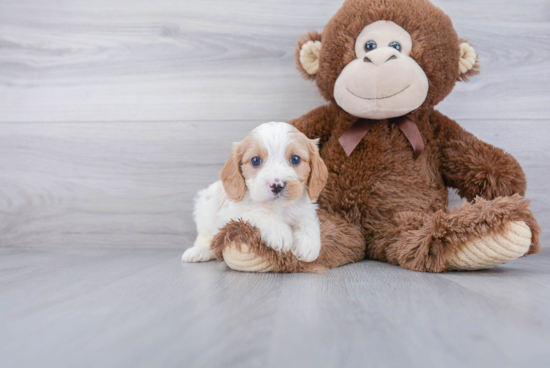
(276, 163)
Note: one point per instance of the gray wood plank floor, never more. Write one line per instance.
(143, 308)
(113, 113)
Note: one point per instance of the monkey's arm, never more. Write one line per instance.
(474, 167)
(317, 123)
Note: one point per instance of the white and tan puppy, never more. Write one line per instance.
(271, 180)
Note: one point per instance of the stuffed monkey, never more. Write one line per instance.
(383, 65)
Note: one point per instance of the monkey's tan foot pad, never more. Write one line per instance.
(245, 260)
(492, 250)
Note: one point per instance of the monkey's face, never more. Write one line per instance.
(383, 81)
(381, 59)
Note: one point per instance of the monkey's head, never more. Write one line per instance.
(380, 59)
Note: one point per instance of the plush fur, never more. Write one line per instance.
(334, 232)
(381, 203)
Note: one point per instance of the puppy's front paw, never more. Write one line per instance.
(278, 238)
(306, 247)
(197, 254)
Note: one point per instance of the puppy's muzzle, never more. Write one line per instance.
(277, 187)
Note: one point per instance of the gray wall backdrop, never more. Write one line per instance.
(114, 113)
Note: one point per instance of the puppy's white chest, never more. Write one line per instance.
(287, 214)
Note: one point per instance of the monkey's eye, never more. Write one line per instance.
(256, 161)
(396, 46)
(295, 160)
(370, 45)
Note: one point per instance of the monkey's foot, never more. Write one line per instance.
(244, 259)
(240, 246)
(492, 250)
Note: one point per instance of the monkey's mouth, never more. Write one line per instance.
(378, 98)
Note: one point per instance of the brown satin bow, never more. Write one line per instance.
(351, 137)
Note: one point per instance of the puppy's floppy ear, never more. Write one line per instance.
(308, 50)
(319, 173)
(231, 175)
(468, 64)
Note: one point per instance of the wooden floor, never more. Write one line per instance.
(113, 113)
(143, 308)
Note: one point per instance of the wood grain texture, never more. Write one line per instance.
(215, 60)
(125, 184)
(143, 308)
(131, 185)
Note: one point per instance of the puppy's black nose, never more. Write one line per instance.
(277, 187)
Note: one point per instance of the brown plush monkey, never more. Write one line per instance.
(383, 65)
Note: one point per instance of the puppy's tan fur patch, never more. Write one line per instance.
(231, 176)
(238, 167)
(298, 146)
(251, 147)
(318, 173)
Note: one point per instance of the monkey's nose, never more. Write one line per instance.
(379, 57)
(277, 188)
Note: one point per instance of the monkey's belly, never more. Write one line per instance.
(377, 183)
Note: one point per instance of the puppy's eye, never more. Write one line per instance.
(370, 45)
(256, 161)
(295, 160)
(396, 45)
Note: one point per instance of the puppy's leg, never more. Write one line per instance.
(207, 205)
(200, 251)
(307, 240)
(275, 233)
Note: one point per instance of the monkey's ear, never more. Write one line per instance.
(468, 65)
(307, 54)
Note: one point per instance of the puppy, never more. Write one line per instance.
(271, 180)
